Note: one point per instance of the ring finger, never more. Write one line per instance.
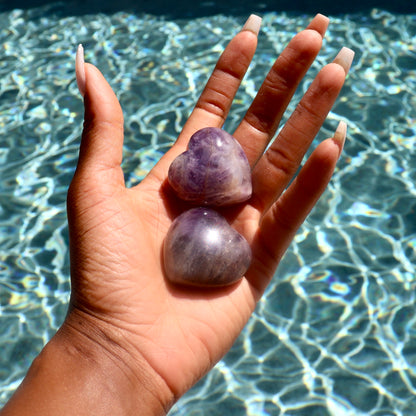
(280, 162)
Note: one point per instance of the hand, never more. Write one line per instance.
(161, 337)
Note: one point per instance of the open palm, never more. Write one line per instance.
(116, 233)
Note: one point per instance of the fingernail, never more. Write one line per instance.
(80, 69)
(340, 135)
(321, 17)
(253, 24)
(344, 58)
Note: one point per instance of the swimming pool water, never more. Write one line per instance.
(335, 333)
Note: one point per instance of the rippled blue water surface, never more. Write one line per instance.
(335, 333)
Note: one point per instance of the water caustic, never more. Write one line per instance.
(335, 332)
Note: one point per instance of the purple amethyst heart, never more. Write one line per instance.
(201, 249)
(213, 171)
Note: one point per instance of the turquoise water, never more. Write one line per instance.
(335, 334)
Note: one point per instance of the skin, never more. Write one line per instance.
(132, 343)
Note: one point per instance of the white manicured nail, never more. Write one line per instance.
(344, 58)
(340, 134)
(253, 24)
(80, 69)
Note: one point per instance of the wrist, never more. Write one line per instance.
(84, 370)
(131, 384)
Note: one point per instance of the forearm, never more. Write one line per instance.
(72, 375)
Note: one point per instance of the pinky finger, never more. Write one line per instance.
(281, 222)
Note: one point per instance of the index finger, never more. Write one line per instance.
(215, 101)
(213, 106)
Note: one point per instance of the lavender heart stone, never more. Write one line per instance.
(213, 171)
(201, 249)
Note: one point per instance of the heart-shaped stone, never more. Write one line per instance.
(201, 249)
(214, 171)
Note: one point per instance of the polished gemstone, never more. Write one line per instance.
(214, 171)
(202, 249)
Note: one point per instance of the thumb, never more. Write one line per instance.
(102, 138)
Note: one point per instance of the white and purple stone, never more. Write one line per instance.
(201, 249)
(214, 171)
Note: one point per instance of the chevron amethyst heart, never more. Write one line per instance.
(214, 171)
(201, 249)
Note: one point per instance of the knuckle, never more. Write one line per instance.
(281, 161)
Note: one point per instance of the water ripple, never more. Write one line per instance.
(335, 333)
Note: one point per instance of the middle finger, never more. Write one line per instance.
(262, 118)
